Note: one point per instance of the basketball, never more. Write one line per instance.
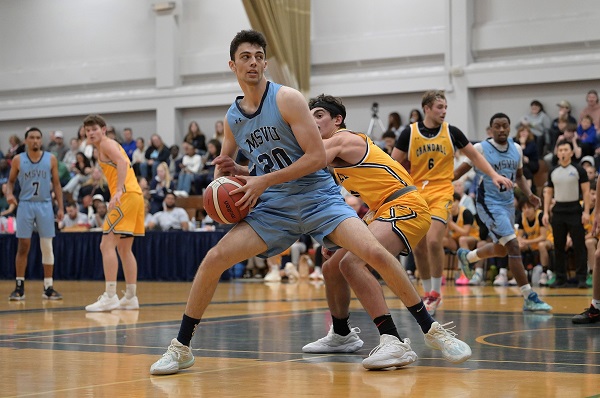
(219, 204)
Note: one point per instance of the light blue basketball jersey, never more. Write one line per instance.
(268, 142)
(35, 179)
(505, 163)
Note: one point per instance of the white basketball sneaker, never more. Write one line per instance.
(391, 352)
(453, 349)
(129, 304)
(177, 357)
(334, 342)
(104, 303)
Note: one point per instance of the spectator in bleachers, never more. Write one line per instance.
(539, 123)
(148, 217)
(531, 165)
(395, 123)
(138, 157)
(195, 137)
(81, 171)
(415, 116)
(589, 165)
(128, 144)
(175, 161)
(564, 113)
(74, 220)
(159, 186)
(465, 199)
(84, 146)
(145, 187)
(15, 143)
(57, 145)
(190, 166)
(388, 141)
(70, 157)
(95, 184)
(156, 153)
(586, 132)
(592, 108)
(171, 217)
(98, 218)
(207, 174)
(219, 130)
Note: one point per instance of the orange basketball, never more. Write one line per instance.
(219, 204)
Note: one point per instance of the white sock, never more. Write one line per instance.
(479, 271)
(111, 288)
(47, 283)
(436, 284)
(596, 303)
(426, 285)
(130, 290)
(472, 256)
(525, 290)
(503, 271)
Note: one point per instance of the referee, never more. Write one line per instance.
(567, 184)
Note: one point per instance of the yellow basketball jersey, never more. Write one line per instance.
(431, 159)
(533, 231)
(110, 171)
(460, 221)
(375, 177)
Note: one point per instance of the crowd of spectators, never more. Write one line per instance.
(165, 172)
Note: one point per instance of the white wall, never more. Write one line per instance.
(64, 59)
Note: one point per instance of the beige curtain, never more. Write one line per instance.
(286, 26)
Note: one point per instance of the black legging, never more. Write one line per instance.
(563, 223)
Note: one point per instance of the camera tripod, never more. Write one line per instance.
(375, 119)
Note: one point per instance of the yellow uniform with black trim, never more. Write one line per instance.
(128, 217)
(533, 231)
(432, 168)
(588, 227)
(460, 221)
(374, 179)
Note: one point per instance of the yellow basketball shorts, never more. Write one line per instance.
(439, 198)
(127, 218)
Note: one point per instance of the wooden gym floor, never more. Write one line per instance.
(249, 345)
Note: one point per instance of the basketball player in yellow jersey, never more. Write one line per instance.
(429, 147)
(399, 218)
(125, 218)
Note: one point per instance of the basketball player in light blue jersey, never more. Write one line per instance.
(274, 129)
(496, 208)
(37, 173)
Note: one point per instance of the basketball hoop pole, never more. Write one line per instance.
(374, 119)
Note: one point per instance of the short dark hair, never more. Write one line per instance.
(91, 120)
(456, 197)
(331, 104)
(499, 115)
(247, 36)
(388, 134)
(564, 142)
(571, 127)
(30, 129)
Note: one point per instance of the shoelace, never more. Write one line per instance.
(447, 333)
(174, 350)
(374, 350)
(331, 332)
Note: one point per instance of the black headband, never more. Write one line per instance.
(333, 108)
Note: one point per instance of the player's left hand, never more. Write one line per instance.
(502, 183)
(254, 187)
(535, 201)
(115, 200)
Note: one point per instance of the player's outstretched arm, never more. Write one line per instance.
(483, 165)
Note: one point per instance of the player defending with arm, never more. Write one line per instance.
(399, 218)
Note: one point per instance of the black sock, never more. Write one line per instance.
(385, 325)
(421, 315)
(187, 329)
(341, 326)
